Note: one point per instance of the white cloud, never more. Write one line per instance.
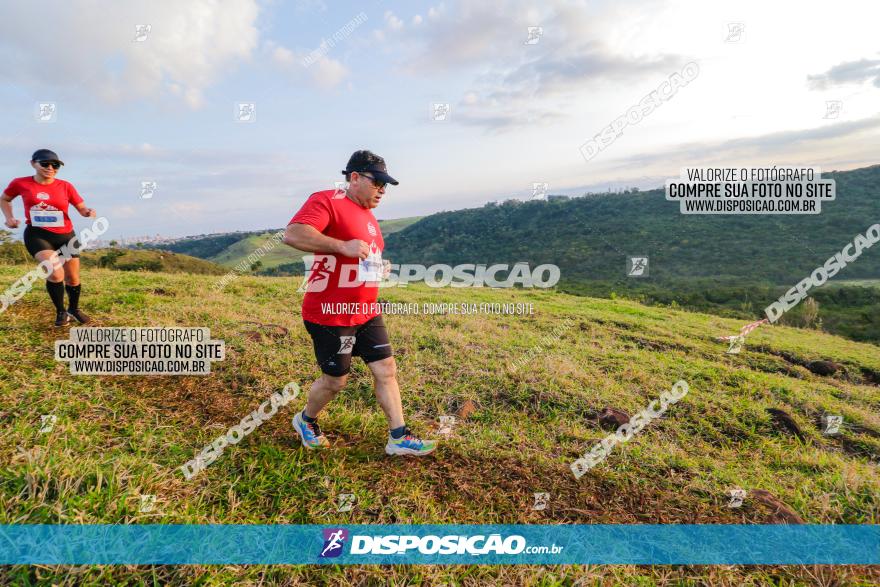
(283, 55)
(851, 72)
(827, 146)
(90, 50)
(515, 84)
(394, 23)
(328, 73)
(325, 72)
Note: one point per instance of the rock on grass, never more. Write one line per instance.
(780, 513)
(612, 417)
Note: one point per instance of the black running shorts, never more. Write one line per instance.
(38, 239)
(335, 345)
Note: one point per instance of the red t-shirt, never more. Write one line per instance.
(45, 205)
(337, 216)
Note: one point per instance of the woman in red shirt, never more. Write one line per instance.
(46, 200)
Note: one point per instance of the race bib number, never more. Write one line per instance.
(370, 269)
(47, 217)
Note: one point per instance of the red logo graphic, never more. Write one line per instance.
(318, 271)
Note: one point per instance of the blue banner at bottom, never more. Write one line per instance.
(440, 544)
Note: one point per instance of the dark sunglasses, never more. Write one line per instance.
(48, 164)
(377, 183)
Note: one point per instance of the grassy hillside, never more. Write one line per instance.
(397, 224)
(231, 249)
(121, 437)
(14, 254)
(149, 260)
(276, 251)
(203, 247)
(281, 259)
(850, 309)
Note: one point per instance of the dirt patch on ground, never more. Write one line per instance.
(775, 365)
(871, 376)
(259, 332)
(476, 489)
(652, 344)
(850, 372)
(784, 422)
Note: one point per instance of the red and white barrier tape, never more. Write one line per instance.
(745, 330)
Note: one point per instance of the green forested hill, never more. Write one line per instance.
(591, 237)
(204, 247)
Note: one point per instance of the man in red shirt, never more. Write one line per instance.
(46, 200)
(339, 307)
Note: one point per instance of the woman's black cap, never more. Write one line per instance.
(45, 155)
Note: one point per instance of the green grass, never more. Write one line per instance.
(120, 437)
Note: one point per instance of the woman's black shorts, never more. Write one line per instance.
(38, 239)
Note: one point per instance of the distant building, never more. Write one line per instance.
(558, 197)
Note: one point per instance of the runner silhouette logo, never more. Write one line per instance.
(346, 344)
(319, 268)
(334, 541)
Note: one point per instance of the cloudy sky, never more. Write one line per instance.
(162, 105)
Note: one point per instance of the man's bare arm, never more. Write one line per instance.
(308, 238)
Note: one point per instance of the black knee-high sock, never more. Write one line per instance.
(73, 294)
(56, 292)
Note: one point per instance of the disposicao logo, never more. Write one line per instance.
(334, 540)
(319, 269)
(397, 544)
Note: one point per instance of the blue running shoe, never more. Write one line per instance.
(408, 444)
(311, 434)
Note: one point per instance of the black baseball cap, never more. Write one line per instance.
(369, 162)
(45, 155)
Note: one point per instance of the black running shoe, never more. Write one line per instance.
(78, 314)
(62, 318)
